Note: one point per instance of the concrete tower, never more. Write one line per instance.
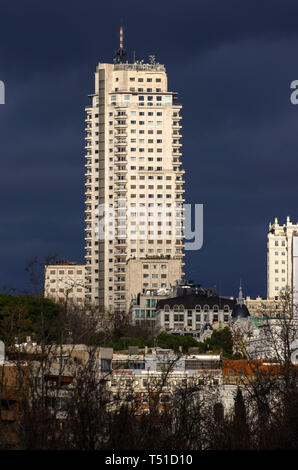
(134, 182)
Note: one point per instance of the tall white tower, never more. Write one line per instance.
(133, 172)
(280, 257)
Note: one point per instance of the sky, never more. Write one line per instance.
(231, 63)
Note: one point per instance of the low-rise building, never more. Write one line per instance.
(160, 372)
(194, 312)
(260, 306)
(65, 282)
(143, 307)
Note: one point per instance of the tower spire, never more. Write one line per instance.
(121, 53)
(240, 299)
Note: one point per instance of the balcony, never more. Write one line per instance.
(120, 125)
(120, 188)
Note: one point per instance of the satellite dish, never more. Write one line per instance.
(2, 353)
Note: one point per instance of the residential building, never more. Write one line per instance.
(140, 375)
(65, 282)
(260, 307)
(194, 313)
(280, 257)
(295, 277)
(134, 183)
(143, 307)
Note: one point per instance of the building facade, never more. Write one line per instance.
(194, 313)
(260, 307)
(134, 183)
(280, 257)
(295, 277)
(143, 307)
(65, 282)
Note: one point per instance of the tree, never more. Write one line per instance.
(221, 341)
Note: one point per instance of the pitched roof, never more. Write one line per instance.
(190, 301)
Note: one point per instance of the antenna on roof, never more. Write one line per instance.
(121, 53)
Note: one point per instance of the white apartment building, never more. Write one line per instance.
(65, 282)
(194, 313)
(295, 277)
(280, 257)
(133, 174)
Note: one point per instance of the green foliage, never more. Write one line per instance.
(124, 342)
(167, 341)
(163, 340)
(22, 316)
(220, 341)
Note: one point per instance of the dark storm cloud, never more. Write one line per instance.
(231, 62)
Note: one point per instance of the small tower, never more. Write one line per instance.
(240, 311)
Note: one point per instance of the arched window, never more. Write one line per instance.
(166, 308)
(215, 308)
(176, 308)
(206, 308)
(181, 308)
(226, 308)
(198, 308)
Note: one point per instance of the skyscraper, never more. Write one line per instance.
(134, 182)
(280, 257)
